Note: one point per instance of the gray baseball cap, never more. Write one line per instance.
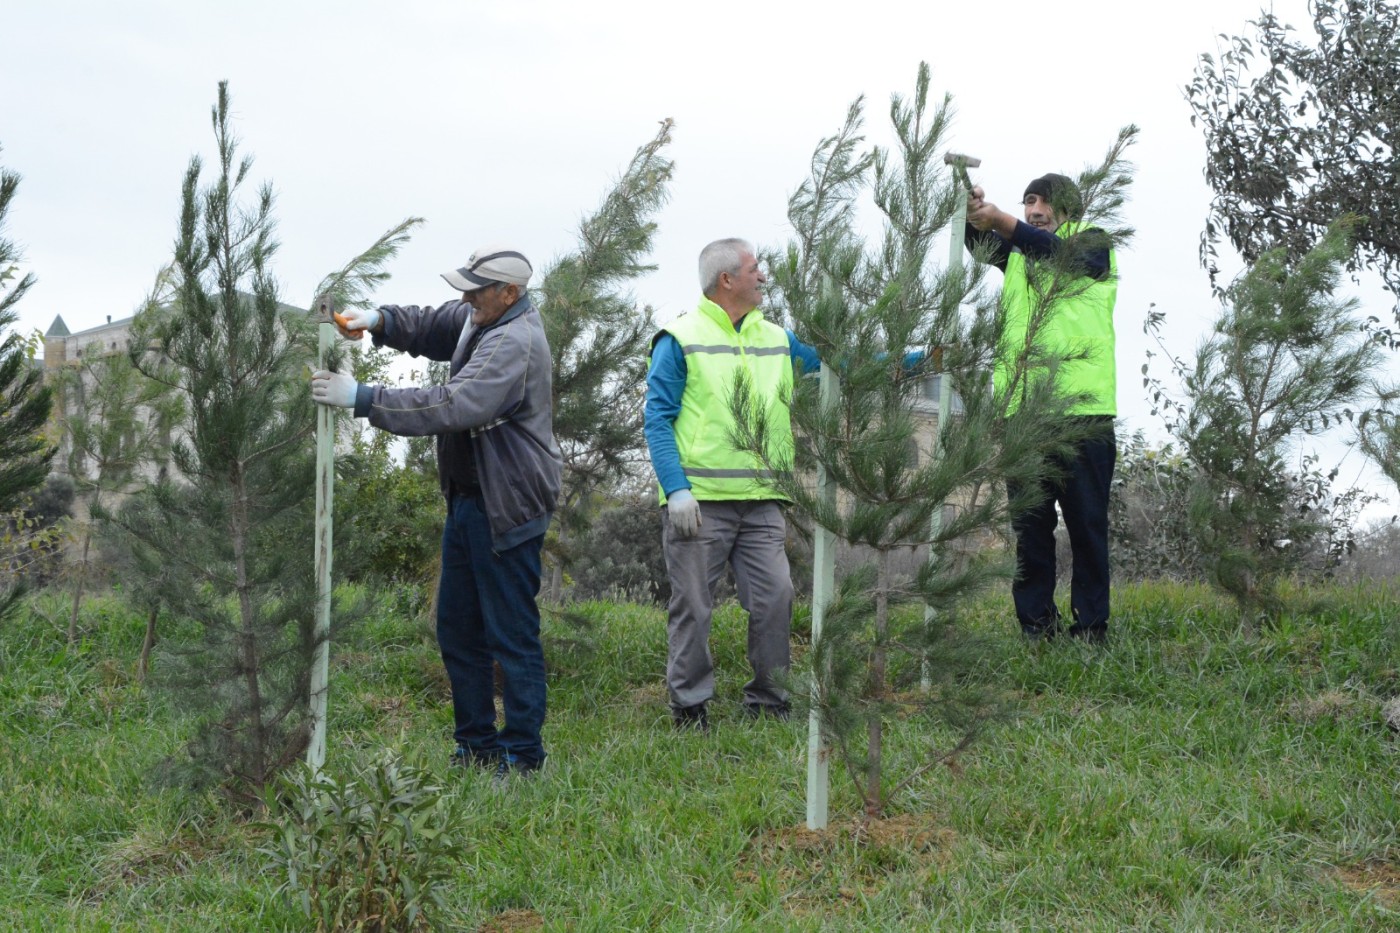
(489, 265)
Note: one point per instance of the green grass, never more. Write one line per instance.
(1185, 777)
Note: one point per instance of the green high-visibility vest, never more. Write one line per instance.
(715, 353)
(1079, 321)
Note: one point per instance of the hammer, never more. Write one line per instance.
(961, 163)
(326, 313)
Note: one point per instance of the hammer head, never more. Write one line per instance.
(961, 163)
(325, 309)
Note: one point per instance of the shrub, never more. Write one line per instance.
(622, 559)
(373, 853)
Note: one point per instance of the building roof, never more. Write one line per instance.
(58, 328)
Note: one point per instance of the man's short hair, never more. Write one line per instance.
(1061, 192)
(720, 257)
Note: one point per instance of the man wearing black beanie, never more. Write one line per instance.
(1053, 242)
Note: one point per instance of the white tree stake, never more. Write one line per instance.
(823, 590)
(325, 486)
(945, 402)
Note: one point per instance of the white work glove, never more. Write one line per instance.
(684, 512)
(353, 322)
(335, 389)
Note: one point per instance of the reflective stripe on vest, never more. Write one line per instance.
(715, 353)
(1080, 322)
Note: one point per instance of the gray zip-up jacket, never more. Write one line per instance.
(502, 396)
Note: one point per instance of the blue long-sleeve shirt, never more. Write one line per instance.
(666, 385)
(1036, 244)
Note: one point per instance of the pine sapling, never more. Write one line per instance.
(887, 320)
(1285, 360)
(598, 336)
(25, 401)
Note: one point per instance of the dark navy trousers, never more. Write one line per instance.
(487, 612)
(1082, 495)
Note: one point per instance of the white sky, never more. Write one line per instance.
(509, 120)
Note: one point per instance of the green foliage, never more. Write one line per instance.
(351, 285)
(599, 340)
(371, 853)
(1298, 134)
(227, 540)
(1380, 439)
(116, 422)
(890, 322)
(1284, 361)
(388, 518)
(229, 543)
(388, 514)
(1182, 778)
(1147, 513)
(24, 399)
(620, 556)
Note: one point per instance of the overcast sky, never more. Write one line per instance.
(507, 121)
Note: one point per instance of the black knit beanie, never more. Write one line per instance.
(1062, 194)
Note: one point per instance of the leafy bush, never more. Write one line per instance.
(1147, 514)
(1152, 540)
(621, 557)
(373, 853)
(388, 520)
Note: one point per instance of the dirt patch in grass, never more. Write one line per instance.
(909, 832)
(394, 712)
(351, 660)
(650, 696)
(512, 921)
(806, 863)
(148, 857)
(1330, 704)
(1377, 878)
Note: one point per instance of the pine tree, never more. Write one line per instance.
(227, 541)
(1380, 439)
(599, 339)
(116, 421)
(887, 320)
(25, 401)
(1285, 360)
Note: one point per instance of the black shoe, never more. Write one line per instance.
(1093, 636)
(470, 758)
(1035, 634)
(508, 766)
(781, 712)
(691, 717)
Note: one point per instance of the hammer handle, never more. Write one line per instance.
(354, 334)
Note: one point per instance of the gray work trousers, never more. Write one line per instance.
(749, 536)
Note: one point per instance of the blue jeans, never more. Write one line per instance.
(486, 612)
(1083, 498)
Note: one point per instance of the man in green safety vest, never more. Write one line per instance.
(1051, 243)
(719, 507)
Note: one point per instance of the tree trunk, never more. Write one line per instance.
(874, 795)
(248, 635)
(556, 573)
(143, 667)
(78, 587)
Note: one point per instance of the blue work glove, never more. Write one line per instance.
(335, 389)
(684, 512)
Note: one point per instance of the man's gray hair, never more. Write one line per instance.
(719, 257)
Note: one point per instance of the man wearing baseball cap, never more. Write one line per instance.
(1052, 252)
(499, 468)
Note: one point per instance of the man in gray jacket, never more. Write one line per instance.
(499, 467)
